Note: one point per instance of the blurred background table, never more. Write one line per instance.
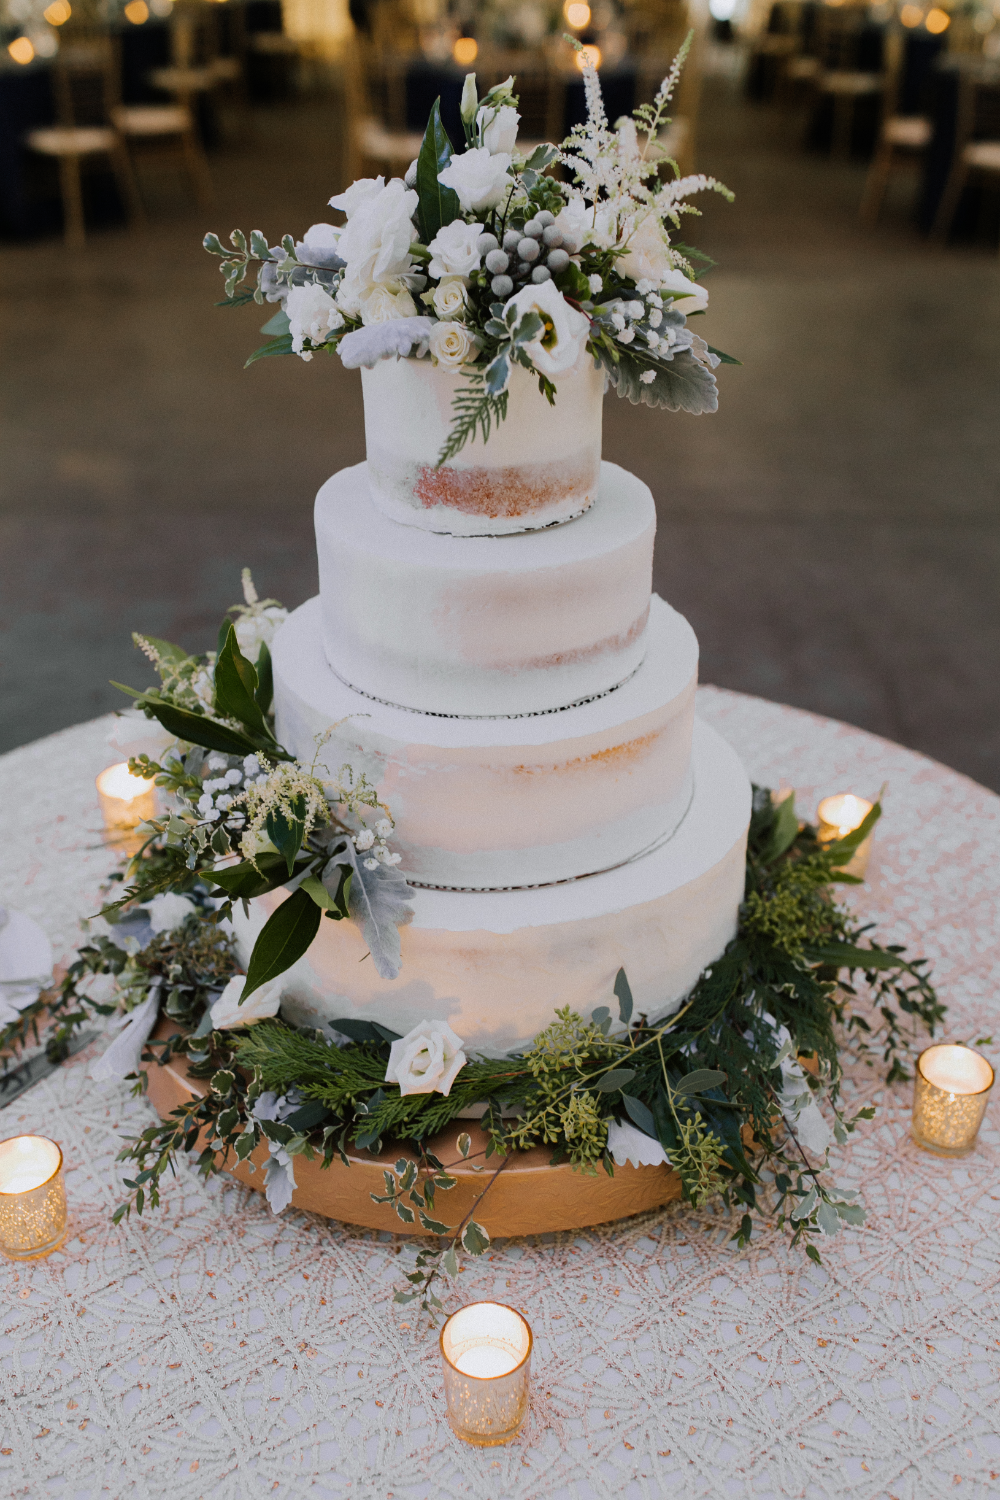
(210, 1349)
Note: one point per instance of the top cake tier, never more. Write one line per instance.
(488, 627)
(539, 467)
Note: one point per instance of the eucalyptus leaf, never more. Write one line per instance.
(282, 940)
(624, 994)
(699, 1081)
(784, 830)
(641, 1115)
(616, 1079)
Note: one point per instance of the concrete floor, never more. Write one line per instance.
(833, 534)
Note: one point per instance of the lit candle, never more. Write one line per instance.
(32, 1197)
(126, 801)
(950, 1094)
(486, 1348)
(837, 817)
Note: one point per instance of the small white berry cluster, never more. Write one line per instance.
(535, 253)
(643, 318)
(373, 842)
(220, 790)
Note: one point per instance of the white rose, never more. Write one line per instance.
(499, 127)
(453, 249)
(168, 911)
(359, 192)
(318, 246)
(695, 297)
(383, 306)
(564, 332)
(426, 1060)
(258, 629)
(312, 315)
(133, 734)
(376, 240)
(228, 1013)
(452, 345)
(480, 179)
(450, 297)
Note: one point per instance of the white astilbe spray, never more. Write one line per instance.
(188, 681)
(619, 177)
(288, 788)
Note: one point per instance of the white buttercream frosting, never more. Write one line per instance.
(496, 965)
(492, 803)
(480, 626)
(540, 466)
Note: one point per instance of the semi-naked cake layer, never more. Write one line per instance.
(490, 625)
(492, 803)
(538, 467)
(496, 965)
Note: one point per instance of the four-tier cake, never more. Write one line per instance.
(526, 709)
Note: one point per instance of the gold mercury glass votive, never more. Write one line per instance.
(838, 816)
(486, 1348)
(950, 1093)
(126, 801)
(32, 1197)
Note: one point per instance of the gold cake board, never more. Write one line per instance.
(528, 1197)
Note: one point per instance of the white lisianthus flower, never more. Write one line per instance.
(453, 249)
(452, 345)
(695, 298)
(258, 629)
(312, 315)
(382, 305)
(426, 1060)
(499, 128)
(318, 246)
(450, 297)
(168, 911)
(480, 179)
(564, 331)
(582, 224)
(375, 242)
(359, 192)
(228, 1013)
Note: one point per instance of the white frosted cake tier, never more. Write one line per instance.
(496, 965)
(540, 466)
(492, 803)
(480, 626)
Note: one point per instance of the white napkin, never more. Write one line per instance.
(122, 1056)
(627, 1144)
(25, 963)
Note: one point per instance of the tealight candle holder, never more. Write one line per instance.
(32, 1197)
(486, 1348)
(126, 801)
(838, 816)
(950, 1093)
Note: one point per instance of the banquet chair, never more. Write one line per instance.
(377, 142)
(839, 77)
(83, 85)
(977, 146)
(902, 139)
(157, 130)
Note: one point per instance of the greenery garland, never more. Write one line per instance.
(706, 1082)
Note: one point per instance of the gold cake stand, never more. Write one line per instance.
(528, 1197)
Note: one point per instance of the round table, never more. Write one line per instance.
(211, 1349)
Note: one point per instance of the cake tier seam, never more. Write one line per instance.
(541, 885)
(532, 713)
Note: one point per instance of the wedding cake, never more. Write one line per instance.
(526, 709)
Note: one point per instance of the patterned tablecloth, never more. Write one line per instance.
(212, 1350)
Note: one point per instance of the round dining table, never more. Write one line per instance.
(211, 1349)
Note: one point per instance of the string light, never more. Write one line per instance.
(137, 11)
(937, 21)
(588, 57)
(465, 51)
(577, 14)
(58, 13)
(911, 15)
(21, 50)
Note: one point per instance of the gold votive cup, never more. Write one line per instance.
(486, 1348)
(32, 1197)
(951, 1090)
(126, 801)
(839, 815)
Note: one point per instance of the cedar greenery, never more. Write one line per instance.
(704, 1082)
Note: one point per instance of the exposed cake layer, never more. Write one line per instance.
(496, 966)
(538, 467)
(490, 625)
(491, 803)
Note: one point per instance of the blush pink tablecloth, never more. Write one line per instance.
(212, 1350)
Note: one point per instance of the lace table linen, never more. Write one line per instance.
(209, 1349)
